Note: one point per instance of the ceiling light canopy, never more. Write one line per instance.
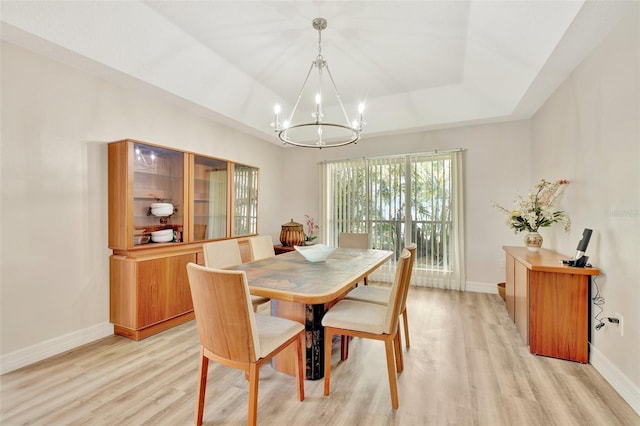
(320, 132)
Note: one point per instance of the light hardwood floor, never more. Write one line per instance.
(467, 366)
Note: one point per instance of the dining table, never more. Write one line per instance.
(302, 291)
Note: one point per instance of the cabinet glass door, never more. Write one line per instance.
(245, 200)
(210, 188)
(158, 177)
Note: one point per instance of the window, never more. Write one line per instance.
(399, 200)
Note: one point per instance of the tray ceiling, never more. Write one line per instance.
(416, 64)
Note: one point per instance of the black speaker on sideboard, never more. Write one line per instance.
(580, 260)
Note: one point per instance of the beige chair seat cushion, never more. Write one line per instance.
(272, 331)
(354, 315)
(370, 294)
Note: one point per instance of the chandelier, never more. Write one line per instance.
(319, 133)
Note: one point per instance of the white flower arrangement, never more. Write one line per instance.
(538, 209)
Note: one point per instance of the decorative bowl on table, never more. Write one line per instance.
(315, 253)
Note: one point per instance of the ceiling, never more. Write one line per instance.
(416, 64)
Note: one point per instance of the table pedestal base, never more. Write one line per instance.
(313, 356)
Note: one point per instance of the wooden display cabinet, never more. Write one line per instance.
(549, 303)
(149, 288)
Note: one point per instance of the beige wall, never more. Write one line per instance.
(588, 132)
(56, 122)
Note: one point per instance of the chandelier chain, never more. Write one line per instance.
(320, 43)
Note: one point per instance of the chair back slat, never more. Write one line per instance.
(396, 295)
(221, 254)
(222, 306)
(353, 240)
(261, 247)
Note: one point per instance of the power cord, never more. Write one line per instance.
(598, 302)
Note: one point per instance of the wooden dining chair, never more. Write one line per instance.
(233, 335)
(371, 321)
(354, 240)
(261, 247)
(225, 254)
(380, 295)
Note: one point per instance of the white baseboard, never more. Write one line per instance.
(478, 287)
(621, 383)
(48, 348)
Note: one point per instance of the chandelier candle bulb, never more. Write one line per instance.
(276, 111)
(318, 114)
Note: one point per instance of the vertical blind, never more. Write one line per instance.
(400, 200)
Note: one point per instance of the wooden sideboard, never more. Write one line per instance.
(549, 302)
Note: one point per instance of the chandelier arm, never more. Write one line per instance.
(335, 89)
(295, 107)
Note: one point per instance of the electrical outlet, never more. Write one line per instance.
(618, 321)
(621, 324)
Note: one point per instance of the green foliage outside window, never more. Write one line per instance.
(389, 197)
